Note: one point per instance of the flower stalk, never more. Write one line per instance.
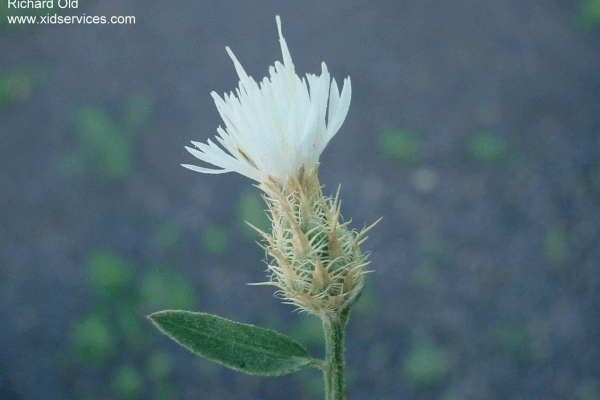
(333, 374)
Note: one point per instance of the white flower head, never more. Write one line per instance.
(277, 128)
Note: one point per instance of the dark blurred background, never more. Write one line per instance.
(473, 131)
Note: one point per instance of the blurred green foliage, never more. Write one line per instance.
(129, 321)
(112, 338)
(511, 340)
(486, 147)
(108, 272)
(556, 246)
(160, 290)
(137, 111)
(93, 340)
(251, 209)
(167, 235)
(160, 364)
(425, 364)
(368, 301)
(308, 330)
(17, 86)
(401, 144)
(588, 13)
(215, 240)
(103, 147)
(127, 382)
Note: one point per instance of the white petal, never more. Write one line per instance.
(245, 80)
(287, 58)
(338, 106)
(205, 170)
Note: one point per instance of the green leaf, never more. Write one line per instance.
(246, 348)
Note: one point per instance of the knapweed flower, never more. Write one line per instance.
(275, 128)
(274, 133)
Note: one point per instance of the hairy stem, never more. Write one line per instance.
(334, 357)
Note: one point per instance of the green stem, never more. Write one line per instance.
(334, 357)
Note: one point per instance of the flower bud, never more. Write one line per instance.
(315, 260)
